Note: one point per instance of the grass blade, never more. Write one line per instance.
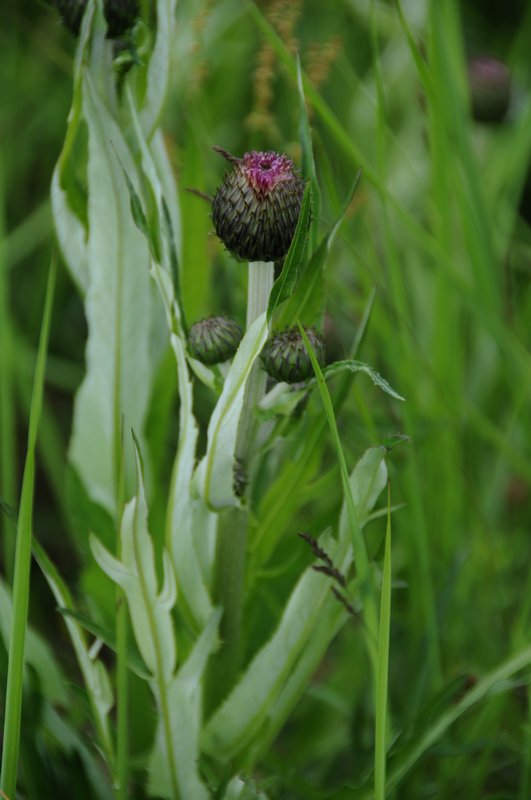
(21, 580)
(382, 668)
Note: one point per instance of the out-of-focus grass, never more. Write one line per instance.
(437, 232)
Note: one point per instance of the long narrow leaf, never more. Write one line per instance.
(307, 300)
(351, 365)
(382, 671)
(158, 73)
(115, 392)
(283, 286)
(21, 579)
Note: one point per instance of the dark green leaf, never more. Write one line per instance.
(283, 286)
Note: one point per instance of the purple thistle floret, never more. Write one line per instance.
(265, 171)
(256, 208)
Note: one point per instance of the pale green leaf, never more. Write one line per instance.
(149, 607)
(115, 391)
(236, 722)
(240, 718)
(368, 480)
(181, 534)
(214, 475)
(71, 234)
(173, 763)
(350, 365)
(158, 73)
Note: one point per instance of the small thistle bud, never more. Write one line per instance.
(285, 357)
(71, 13)
(214, 339)
(490, 89)
(120, 16)
(256, 208)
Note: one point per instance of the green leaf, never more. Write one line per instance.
(95, 676)
(182, 534)
(150, 607)
(238, 723)
(411, 755)
(38, 654)
(308, 161)
(22, 566)
(71, 234)
(352, 513)
(214, 475)
(350, 365)
(283, 286)
(307, 299)
(382, 671)
(134, 662)
(115, 392)
(184, 703)
(158, 72)
(163, 219)
(368, 480)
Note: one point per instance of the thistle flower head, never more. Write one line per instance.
(214, 339)
(490, 89)
(256, 208)
(285, 357)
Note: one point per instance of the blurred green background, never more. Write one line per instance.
(440, 230)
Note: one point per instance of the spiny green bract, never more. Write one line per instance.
(214, 339)
(285, 357)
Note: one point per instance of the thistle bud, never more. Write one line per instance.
(256, 208)
(71, 13)
(285, 357)
(214, 339)
(490, 89)
(120, 16)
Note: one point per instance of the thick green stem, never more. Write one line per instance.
(261, 277)
(232, 529)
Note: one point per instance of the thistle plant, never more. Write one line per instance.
(181, 604)
(210, 479)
